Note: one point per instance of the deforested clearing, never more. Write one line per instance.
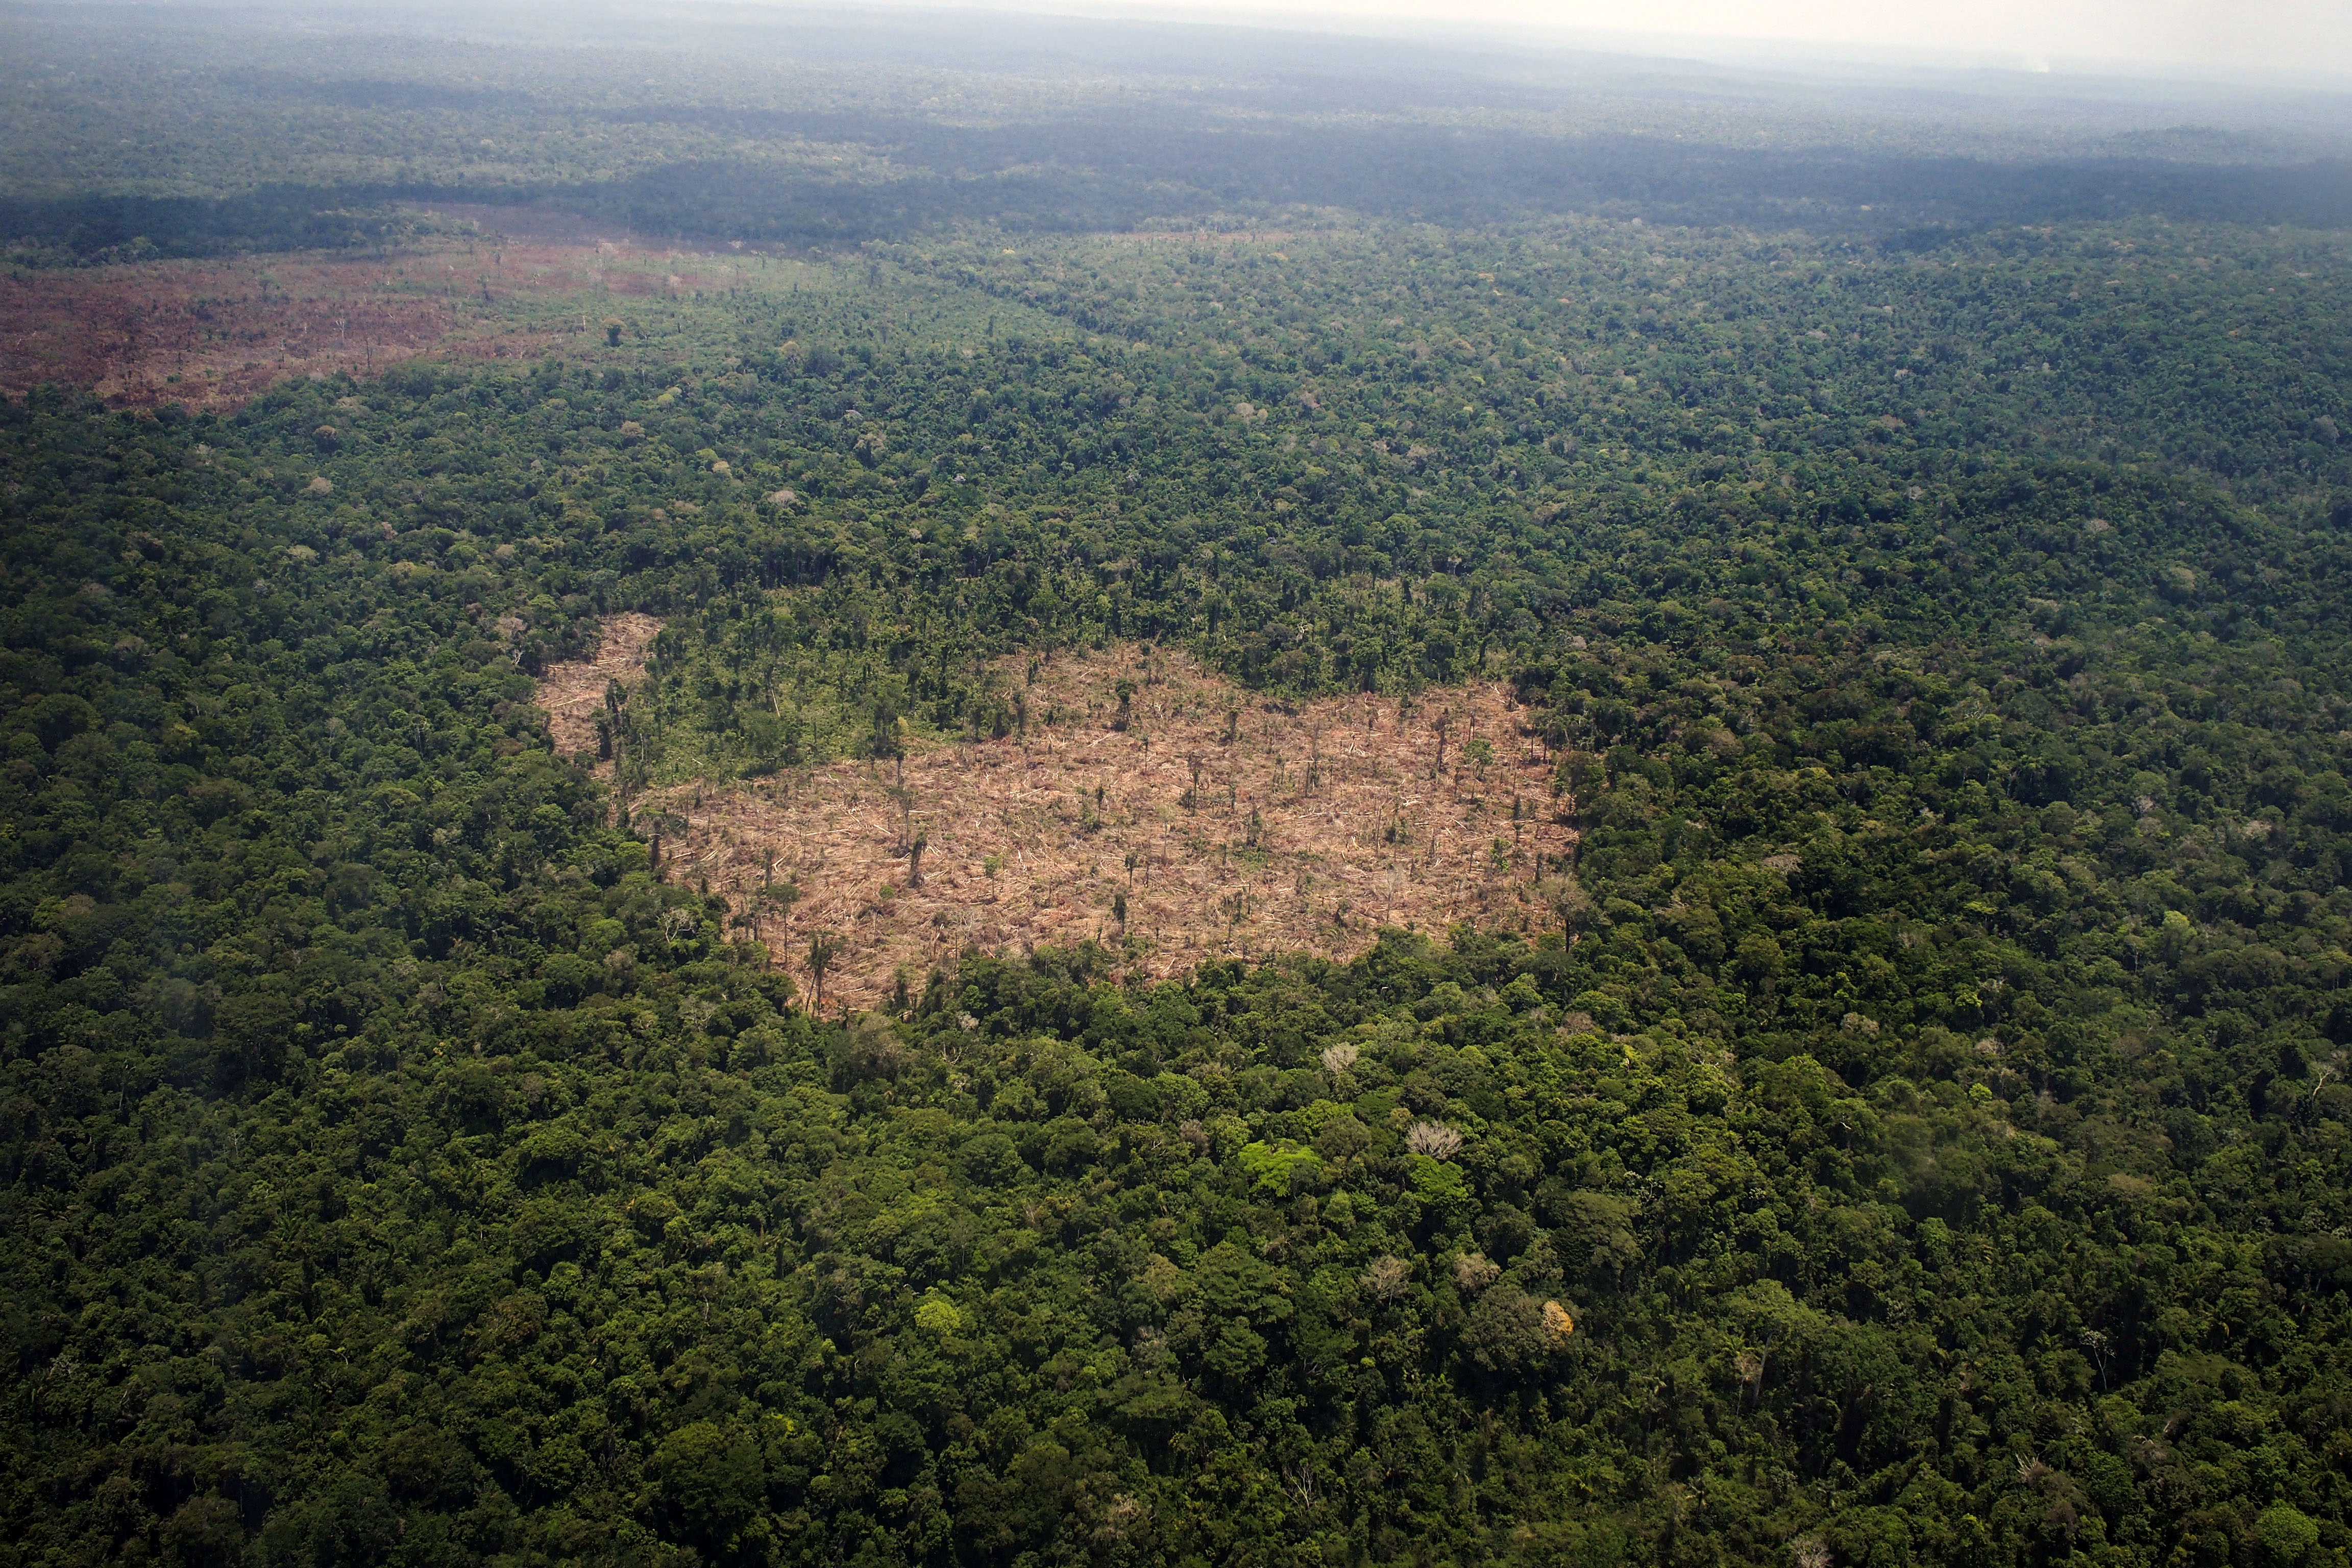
(1228, 825)
(214, 334)
(573, 693)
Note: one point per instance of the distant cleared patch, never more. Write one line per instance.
(213, 335)
(1229, 826)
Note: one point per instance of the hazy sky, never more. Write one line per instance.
(2301, 38)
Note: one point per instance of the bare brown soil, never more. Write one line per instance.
(1308, 829)
(213, 334)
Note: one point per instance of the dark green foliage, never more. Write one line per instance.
(1925, 1094)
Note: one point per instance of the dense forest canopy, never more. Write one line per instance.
(209, 132)
(1916, 1132)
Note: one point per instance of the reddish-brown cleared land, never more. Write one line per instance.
(213, 334)
(1308, 829)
